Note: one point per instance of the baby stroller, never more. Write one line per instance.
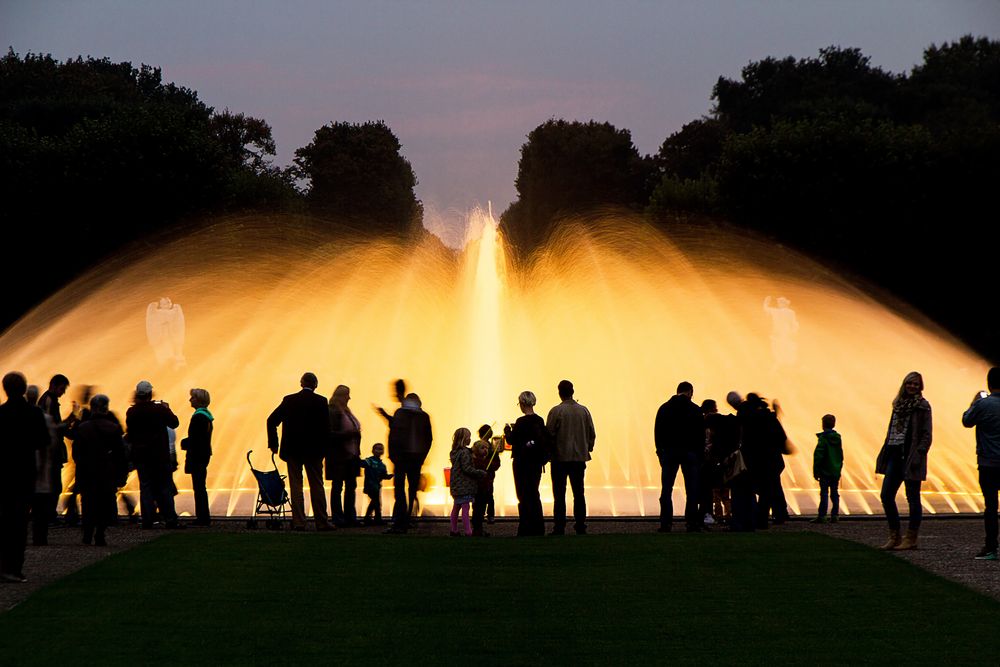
(271, 496)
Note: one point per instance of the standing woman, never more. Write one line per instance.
(198, 445)
(530, 445)
(343, 460)
(903, 458)
(97, 452)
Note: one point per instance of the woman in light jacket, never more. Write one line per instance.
(903, 458)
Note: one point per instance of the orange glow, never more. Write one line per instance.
(623, 311)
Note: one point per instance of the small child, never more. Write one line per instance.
(464, 481)
(375, 472)
(828, 461)
(485, 457)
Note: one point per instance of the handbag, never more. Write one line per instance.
(733, 466)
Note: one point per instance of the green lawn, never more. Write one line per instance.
(266, 598)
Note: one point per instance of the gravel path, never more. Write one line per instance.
(946, 547)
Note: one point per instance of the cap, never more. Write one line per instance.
(144, 388)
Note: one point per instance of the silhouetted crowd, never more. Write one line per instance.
(731, 463)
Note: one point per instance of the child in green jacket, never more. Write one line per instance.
(828, 461)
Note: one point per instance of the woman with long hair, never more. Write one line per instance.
(343, 460)
(464, 481)
(903, 458)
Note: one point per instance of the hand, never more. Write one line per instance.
(976, 399)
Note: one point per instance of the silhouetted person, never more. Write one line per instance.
(305, 435)
(41, 499)
(375, 472)
(343, 459)
(726, 439)
(984, 414)
(198, 445)
(679, 435)
(828, 461)
(147, 422)
(903, 458)
(485, 457)
(399, 391)
(410, 439)
(573, 434)
(22, 433)
(763, 443)
(99, 457)
(530, 449)
(49, 403)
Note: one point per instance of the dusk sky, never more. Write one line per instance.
(462, 83)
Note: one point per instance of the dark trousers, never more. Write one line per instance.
(343, 484)
(156, 492)
(890, 485)
(13, 532)
(574, 470)
(828, 486)
(96, 508)
(199, 477)
(770, 499)
(479, 505)
(744, 503)
(407, 479)
(374, 506)
(989, 482)
(688, 462)
(527, 477)
(41, 508)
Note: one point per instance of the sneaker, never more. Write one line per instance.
(709, 520)
(833, 519)
(986, 554)
(13, 578)
(819, 519)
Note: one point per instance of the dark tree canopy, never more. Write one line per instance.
(357, 175)
(572, 167)
(98, 153)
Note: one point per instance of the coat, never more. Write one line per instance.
(305, 427)
(147, 423)
(679, 427)
(464, 476)
(198, 443)
(828, 458)
(99, 455)
(572, 429)
(343, 454)
(919, 432)
(23, 432)
(410, 434)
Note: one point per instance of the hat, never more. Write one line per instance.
(144, 388)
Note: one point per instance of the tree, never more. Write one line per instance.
(98, 154)
(358, 176)
(570, 168)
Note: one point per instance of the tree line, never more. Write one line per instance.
(886, 175)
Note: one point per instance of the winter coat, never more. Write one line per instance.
(828, 459)
(464, 476)
(679, 427)
(198, 443)
(919, 438)
(99, 455)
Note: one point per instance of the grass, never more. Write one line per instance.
(266, 598)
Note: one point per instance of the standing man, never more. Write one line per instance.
(49, 403)
(984, 414)
(23, 432)
(146, 423)
(410, 439)
(305, 432)
(572, 430)
(679, 434)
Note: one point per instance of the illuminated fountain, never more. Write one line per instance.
(618, 308)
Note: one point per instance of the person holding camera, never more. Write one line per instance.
(146, 423)
(984, 414)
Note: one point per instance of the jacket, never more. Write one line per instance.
(99, 455)
(985, 416)
(679, 427)
(919, 435)
(572, 429)
(198, 443)
(23, 431)
(305, 427)
(375, 472)
(147, 423)
(464, 476)
(410, 435)
(828, 458)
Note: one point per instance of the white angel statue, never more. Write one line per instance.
(165, 331)
(784, 327)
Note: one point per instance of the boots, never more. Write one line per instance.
(893, 542)
(909, 541)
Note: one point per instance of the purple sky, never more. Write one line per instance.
(462, 83)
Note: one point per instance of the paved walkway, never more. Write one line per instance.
(947, 545)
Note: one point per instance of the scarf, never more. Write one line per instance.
(901, 411)
(204, 411)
